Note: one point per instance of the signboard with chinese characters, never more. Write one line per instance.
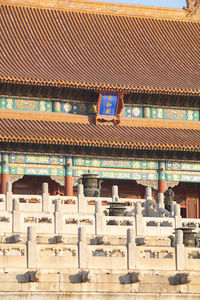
(109, 107)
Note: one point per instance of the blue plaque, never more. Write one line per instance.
(108, 105)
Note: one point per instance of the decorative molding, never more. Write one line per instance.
(14, 178)
(154, 183)
(151, 183)
(193, 9)
(58, 179)
(171, 183)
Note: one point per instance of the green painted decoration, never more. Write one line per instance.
(123, 164)
(182, 166)
(5, 163)
(37, 159)
(132, 111)
(172, 113)
(68, 166)
(146, 112)
(37, 171)
(83, 108)
(57, 106)
(183, 177)
(161, 170)
(119, 175)
(25, 104)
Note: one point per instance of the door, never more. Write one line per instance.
(192, 206)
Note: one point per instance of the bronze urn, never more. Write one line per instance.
(188, 236)
(116, 208)
(91, 184)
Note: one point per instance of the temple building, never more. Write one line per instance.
(110, 89)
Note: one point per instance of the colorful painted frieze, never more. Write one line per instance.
(83, 108)
(33, 170)
(36, 159)
(25, 104)
(132, 111)
(183, 177)
(71, 107)
(183, 166)
(118, 175)
(124, 164)
(174, 113)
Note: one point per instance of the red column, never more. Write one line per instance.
(5, 172)
(161, 177)
(68, 190)
(68, 186)
(161, 186)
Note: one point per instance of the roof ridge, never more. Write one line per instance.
(129, 10)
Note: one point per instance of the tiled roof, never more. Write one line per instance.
(66, 133)
(54, 47)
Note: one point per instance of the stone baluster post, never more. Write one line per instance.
(148, 193)
(82, 248)
(9, 196)
(177, 215)
(172, 212)
(31, 247)
(115, 194)
(58, 226)
(180, 251)
(99, 218)
(140, 231)
(148, 197)
(81, 199)
(131, 249)
(45, 198)
(161, 204)
(16, 223)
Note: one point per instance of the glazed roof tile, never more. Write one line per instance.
(128, 137)
(99, 51)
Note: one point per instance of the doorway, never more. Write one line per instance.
(187, 194)
(32, 185)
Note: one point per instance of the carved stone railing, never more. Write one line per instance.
(80, 251)
(57, 256)
(64, 214)
(13, 256)
(105, 257)
(192, 259)
(158, 226)
(195, 223)
(159, 258)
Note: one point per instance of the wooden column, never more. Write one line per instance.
(68, 177)
(161, 177)
(4, 172)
